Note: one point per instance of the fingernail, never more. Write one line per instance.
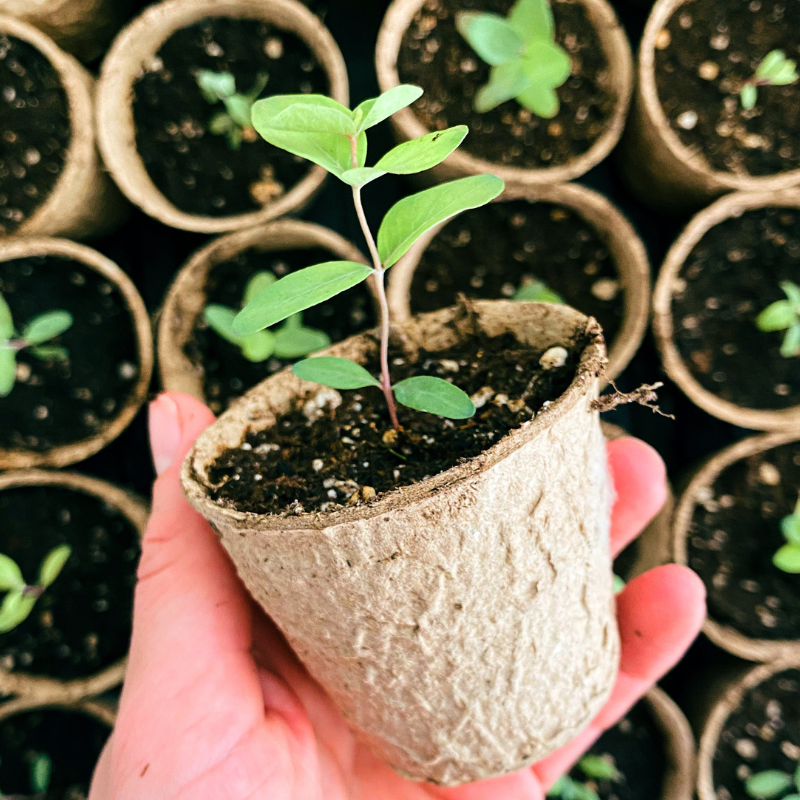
(165, 431)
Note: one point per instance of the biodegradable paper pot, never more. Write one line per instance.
(69, 453)
(186, 298)
(626, 248)
(662, 171)
(139, 42)
(81, 27)
(97, 709)
(726, 636)
(490, 640)
(663, 324)
(84, 202)
(42, 689)
(407, 125)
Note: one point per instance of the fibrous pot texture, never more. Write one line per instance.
(465, 624)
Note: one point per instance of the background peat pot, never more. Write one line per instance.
(724, 269)
(56, 186)
(39, 507)
(110, 352)
(672, 175)
(180, 358)
(476, 237)
(617, 81)
(135, 54)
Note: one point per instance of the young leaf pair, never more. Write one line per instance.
(788, 556)
(774, 70)
(595, 768)
(773, 784)
(784, 315)
(34, 337)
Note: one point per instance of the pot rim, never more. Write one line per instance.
(616, 47)
(97, 709)
(140, 40)
(732, 205)
(40, 689)
(69, 453)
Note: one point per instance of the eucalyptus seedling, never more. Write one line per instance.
(40, 775)
(773, 784)
(34, 338)
(784, 315)
(235, 121)
(538, 292)
(329, 134)
(526, 62)
(774, 70)
(595, 768)
(20, 596)
(788, 556)
(291, 340)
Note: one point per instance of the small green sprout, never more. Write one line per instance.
(291, 340)
(788, 557)
(235, 121)
(21, 597)
(784, 315)
(537, 292)
(41, 773)
(526, 62)
(34, 337)
(773, 784)
(774, 70)
(595, 768)
(329, 134)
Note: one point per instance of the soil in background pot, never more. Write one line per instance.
(71, 740)
(489, 252)
(56, 402)
(34, 133)
(324, 455)
(226, 372)
(704, 54)
(763, 733)
(732, 274)
(434, 55)
(733, 537)
(82, 623)
(193, 168)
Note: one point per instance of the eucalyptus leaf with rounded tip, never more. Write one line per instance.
(533, 20)
(748, 95)
(434, 395)
(540, 100)
(10, 575)
(53, 564)
(777, 317)
(409, 218)
(6, 321)
(791, 342)
(771, 62)
(41, 772)
(298, 291)
(50, 352)
(548, 64)
(220, 320)
(46, 327)
(768, 784)
(238, 107)
(537, 292)
(505, 83)
(257, 283)
(786, 75)
(258, 346)
(338, 373)
(598, 767)
(15, 609)
(295, 342)
(8, 371)
(377, 109)
(490, 36)
(423, 153)
(215, 85)
(787, 559)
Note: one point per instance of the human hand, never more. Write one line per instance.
(217, 707)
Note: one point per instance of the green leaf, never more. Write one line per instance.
(390, 102)
(361, 176)
(15, 609)
(338, 373)
(215, 85)
(505, 83)
(314, 119)
(559, 787)
(787, 559)
(768, 784)
(786, 74)
(748, 95)
(777, 317)
(258, 346)
(618, 584)
(533, 20)
(297, 292)
(547, 63)
(294, 342)
(408, 219)
(10, 575)
(537, 292)
(41, 772)
(422, 153)
(434, 395)
(220, 320)
(540, 100)
(791, 342)
(8, 371)
(238, 107)
(257, 283)
(490, 36)
(797, 778)
(792, 292)
(221, 123)
(50, 352)
(770, 63)
(598, 767)
(53, 564)
(584, 792)
(47, 326)
(6, 321)
(790, 527)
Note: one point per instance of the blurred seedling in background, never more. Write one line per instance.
(537, 292)
(20, 596)
(235, 121)
(788, 557)
(526, 62)
(784, 315)
(41, 773)
(329, 134)
(774, 785)
(291, 340)
(774, 70)
(34, 338)
(595, 768)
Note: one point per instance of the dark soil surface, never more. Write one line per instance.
(705, 53)
(82, 623)
(55, 402)
(731, 275)
(227, 374)
(34, 131)
(195, 169)
(733, 537)
(635, 745)
(762, 734)
(435, 56)
(320, 461)
(71, 740)
(489, 252)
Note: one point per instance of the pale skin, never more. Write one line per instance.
(217, 707)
